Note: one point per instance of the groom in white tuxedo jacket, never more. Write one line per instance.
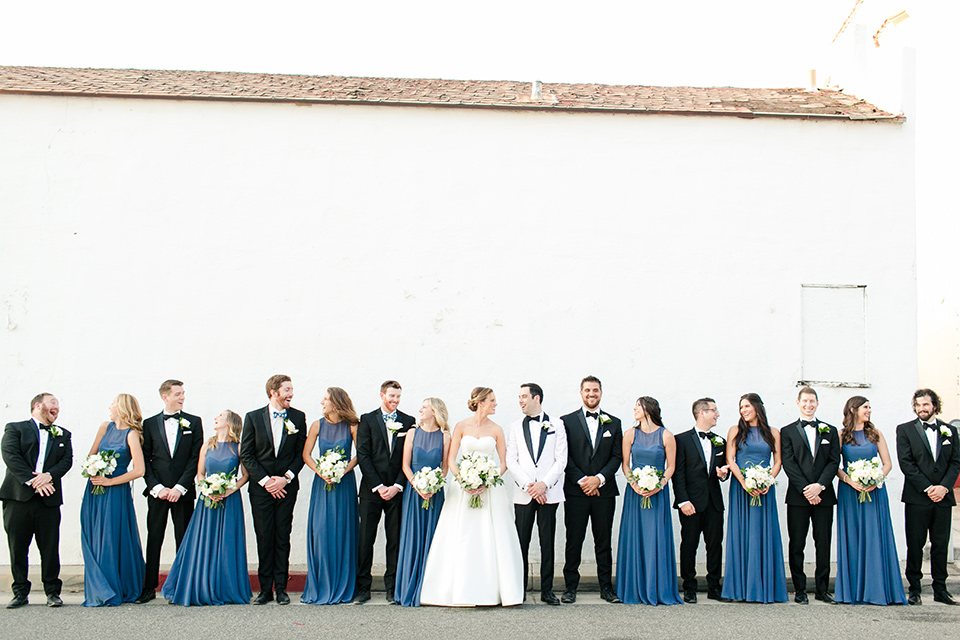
(536, 459)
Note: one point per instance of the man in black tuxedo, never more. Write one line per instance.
(37, 454)
(701, 467)
(171, 448)
(271, 450)
(380, 456)
(594, 454)
(810, 451)
(930, 460)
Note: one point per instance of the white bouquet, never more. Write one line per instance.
(647, 479)
(427, 480)
(757, 477)
(332, 466)
(102, 464)
(867, 473)
(478, 471)
(215, 485)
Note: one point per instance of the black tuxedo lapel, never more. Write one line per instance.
(47, 456)
(586, 430)
(383, 431)
(600, 430)
(527, 438)
(695, 436)
(543, 438)
(921, 432)
(268, 425)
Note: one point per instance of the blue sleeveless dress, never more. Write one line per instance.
(754, 567)
(646, 560)
(113, 565)
(868, 569)
(211, 565)
(417, 525)
(333, 527)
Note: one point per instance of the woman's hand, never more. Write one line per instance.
(856, 486)
(100, 481)
(764, 492)
(636, 489)
(476, 492)
(647, 494)
(425, 496)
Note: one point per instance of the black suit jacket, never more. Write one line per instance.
(803, 469)
(691, 482)
(584, 458)
(160, 467)
(373, 452)
(919, 468)
(21, 448)
(257, 450)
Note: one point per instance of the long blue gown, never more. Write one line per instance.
(868, 570)
(754, 567)
(113, 564)
(646, 561)
(211, 565)
(418, 525)
(333, 527)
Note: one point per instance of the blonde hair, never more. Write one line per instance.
(128, 410)
(440, 413)
(478, 395)
(233, 433)
(342, 406)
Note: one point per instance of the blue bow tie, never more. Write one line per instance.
(390, 416)
(280, 414)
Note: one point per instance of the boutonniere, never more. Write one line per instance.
(718, 441)
(55, 431)
(604, 418)
(393, 426)
(184, 423)
(290, 427)
(546, 426)
(945, 431)
(823, 428)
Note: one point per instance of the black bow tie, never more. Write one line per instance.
(175, 416)
(533, 418)
(808, 423)
(593, 414)
(46, 427)
(930, 425)
(704, 435)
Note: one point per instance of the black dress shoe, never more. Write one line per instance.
(825, 597)
(361, 596)
(914, 598)
(263, 597)
(145, 596)
(282, 597)
(53, 600)
(610, 596)
(550, 598)
(17, 602)
(944, 597)
(801, 597)
(715, 595)
(568, 597)
(389, 596)
(690, 597)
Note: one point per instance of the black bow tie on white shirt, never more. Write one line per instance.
(533, 418)
(46, 427)
(930, 425)
(808, 423)
(593, 414)
(704, 435)
(175, 416)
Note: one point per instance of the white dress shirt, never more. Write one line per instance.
(932, 436)
(593, 424)
(811, 434)
(42, 452)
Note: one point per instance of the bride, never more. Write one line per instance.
(475, 557)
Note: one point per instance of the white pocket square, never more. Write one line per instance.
(60, 445)
(186, 433)
(606, 434)
(401, 434)
(719, 453)
(824, 441)
(941, 444)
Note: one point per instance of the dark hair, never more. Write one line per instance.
(652, 408)
(275, 382)
(535, 389)
(850, 421)
(591, 379)
(701, 405)
(343, 406)
(762, 425)
(806, 389)
(169, 384)
(478, 395)
(38, 399)
(390, 384)
(919, 393)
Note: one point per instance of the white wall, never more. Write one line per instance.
(343, 245)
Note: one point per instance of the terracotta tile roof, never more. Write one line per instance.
(494, 94)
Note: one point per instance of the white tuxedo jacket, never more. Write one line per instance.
(550, 465)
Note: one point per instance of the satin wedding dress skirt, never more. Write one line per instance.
(475, 557)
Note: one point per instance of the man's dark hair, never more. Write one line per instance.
(535, 390)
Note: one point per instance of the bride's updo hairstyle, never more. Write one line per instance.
(477, 396)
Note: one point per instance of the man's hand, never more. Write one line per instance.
(387, 493)
(172, 495)
(276, 486)
(162, 494)
(812, 493)
(723, 471)
(688, 509)
(937, 492)
(591, 485)
(40, 479)
(538, 491)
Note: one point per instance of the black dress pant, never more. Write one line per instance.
(935, 521)
(546, 517)
(157, 510)
(599, 512)
(799, 519)
(370, 512)
(272, 522)
(709, 524)
(24, 521)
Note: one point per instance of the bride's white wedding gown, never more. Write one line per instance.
(475, 555)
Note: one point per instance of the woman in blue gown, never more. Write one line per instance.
(211, 564)
(332, 526)
(754, 567)
(646, 561)
(113, 565)
(868, 569)
(425, 446)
